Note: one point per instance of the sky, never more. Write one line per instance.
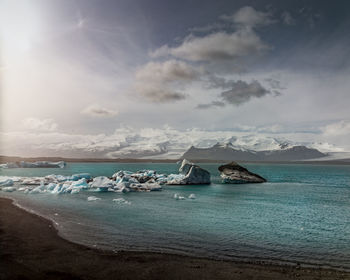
(150, 78)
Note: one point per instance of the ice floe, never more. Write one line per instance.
(120, 182)
(121, 201)
(179, 197)
(8, 189)
(6, 182)
(93, 198)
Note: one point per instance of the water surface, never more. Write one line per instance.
(301, 215)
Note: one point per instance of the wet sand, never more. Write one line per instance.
(30, 248)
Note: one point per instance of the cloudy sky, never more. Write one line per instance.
(153, 77)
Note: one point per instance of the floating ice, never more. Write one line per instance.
(190, 174)
(32, 181)
(6, 182)
(121, 182)
(121, 201)
(8, 189)
(102, 183)
(179, 197)
(192, 196)
(42, 164)
(76, 177)
(93, 198)
(39, 189)
(80, 183)
(9, 165)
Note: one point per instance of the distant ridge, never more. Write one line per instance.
(229, 152)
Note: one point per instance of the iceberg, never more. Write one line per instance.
(179, 197)
(102, 183)
(39, 189)
(6, 182)
(76, 177)
(80, 183)
(8, 189)
(120, 182)
(93, 198)
(192, 196)
(121, 201)
(9, 165)
(57, 189)
(42, 164)
(32, 181)
(190, 174)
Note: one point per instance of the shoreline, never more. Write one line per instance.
(33, 248)
(238, 259)
(6, 159)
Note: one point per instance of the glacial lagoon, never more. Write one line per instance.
(302, 214)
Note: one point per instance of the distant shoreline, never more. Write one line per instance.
(5, 159)
(34, 250)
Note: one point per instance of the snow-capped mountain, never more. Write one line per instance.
(245, 147)
(228, 152)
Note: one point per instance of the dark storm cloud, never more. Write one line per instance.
(242, 92)
(239, 92)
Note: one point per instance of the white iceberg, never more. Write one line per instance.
(80, 183)
(121, 182)
(179, 197)
(102, 183)
(93, 198)
(121, 201)
(6, 182)
(9, 165)
(192, 196)
(8, 189)
(39, 189)
(76, 177)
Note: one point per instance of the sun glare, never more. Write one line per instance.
(20, 28)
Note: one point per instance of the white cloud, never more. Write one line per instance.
(96, 110)
(39, 124)
(219, 46)
(220, 51)
(249, 17)
(165, 72)
(160, 81)
(336, 129)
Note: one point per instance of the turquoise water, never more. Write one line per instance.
(301, 215)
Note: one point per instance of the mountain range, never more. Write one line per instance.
(229, 152)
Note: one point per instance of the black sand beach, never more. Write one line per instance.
(30, 248)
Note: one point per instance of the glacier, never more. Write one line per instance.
(36, 164)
